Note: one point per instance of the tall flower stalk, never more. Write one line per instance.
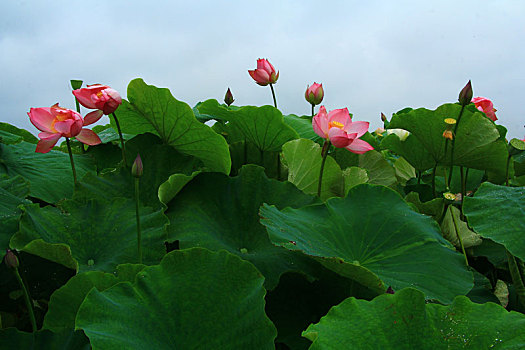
(136, 171)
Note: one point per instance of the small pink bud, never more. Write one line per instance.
(137, 168)
(465, 95)
(10, 259)
(228, 98)
(314, 94)
(265, 73)
(390, 290)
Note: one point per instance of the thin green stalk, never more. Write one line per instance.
(516, 278)
(324, 154)
(137, 215)
(434, 180)
(78, 110)
(71, 160)
(273, 95)
(454, 142)
(27, 300)
(121, 139)
(463, 190)
(313, 114)
(279, 166)
(507, 171)
(419, 177)
(459, 236)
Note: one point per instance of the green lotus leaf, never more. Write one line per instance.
(65, 301)
(303, 126)
(303, 159)
(379, 171)
(13, 192)
(220, 212)
(497, 212)
(448, 228)
(373, 231)
(404, 321)
(262, 126)
(194, 299)
(169, 189)
(411, 149)
(477, 141)
(155, 110)
(10, 134)
(354, 176)
(49, 174)
(101, 233)
(12, 338)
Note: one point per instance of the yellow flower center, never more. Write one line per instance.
(450, 121)
(336, 125)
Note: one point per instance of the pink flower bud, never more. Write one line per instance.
(10, 259)
(137, 168)
(465, 95)
(228, 98)
(314, 94)
(265, 73)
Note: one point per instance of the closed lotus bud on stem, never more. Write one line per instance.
(137, 168)
(465, 95)
(10, 259)
(228, 98)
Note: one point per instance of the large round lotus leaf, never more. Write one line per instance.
(303, 126)
(411, 149)
(155, 110)
(404, 321)
(373, 231)
(262, 126)
(477, 140)
(303, 160)
(65, 301)
(101, 233)
(498, 212)
(195, 299)
(10, 134)
(12, 338)
(220, 212)
(49, 174)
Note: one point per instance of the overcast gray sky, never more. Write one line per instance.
(372, 57)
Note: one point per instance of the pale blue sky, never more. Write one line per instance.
(372, 57)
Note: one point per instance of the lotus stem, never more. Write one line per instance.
(507, 171)
(71, 160)
(27, 300)
(273, 95)
(137, 215)
(121, 139)
(78, 110)
(324, 154)
(434, 180)
(313, 113)
(456, 228)
(454, 142)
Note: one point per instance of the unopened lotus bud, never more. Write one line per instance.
(383, 117)
(228, 98)
(314, 94)
(137, 168)
(465, 95)
(10, 259)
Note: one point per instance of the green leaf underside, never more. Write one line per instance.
(49, 174)
(220, 212)
(498, 212)
(404, 321)
(155, 110)
(67, 339)
(373, 232)
(262, 126)
(101, 234)
(194, 299)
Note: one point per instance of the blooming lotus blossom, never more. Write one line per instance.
(338, 127)
(314, 94)
(485, 105)
(56, 122)
(265, 73)
(100, 97)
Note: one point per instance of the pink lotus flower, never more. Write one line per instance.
(337, 126)
(314, 94)
(485, 105)
(265, 73)
(55, 122)
(100, 97)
